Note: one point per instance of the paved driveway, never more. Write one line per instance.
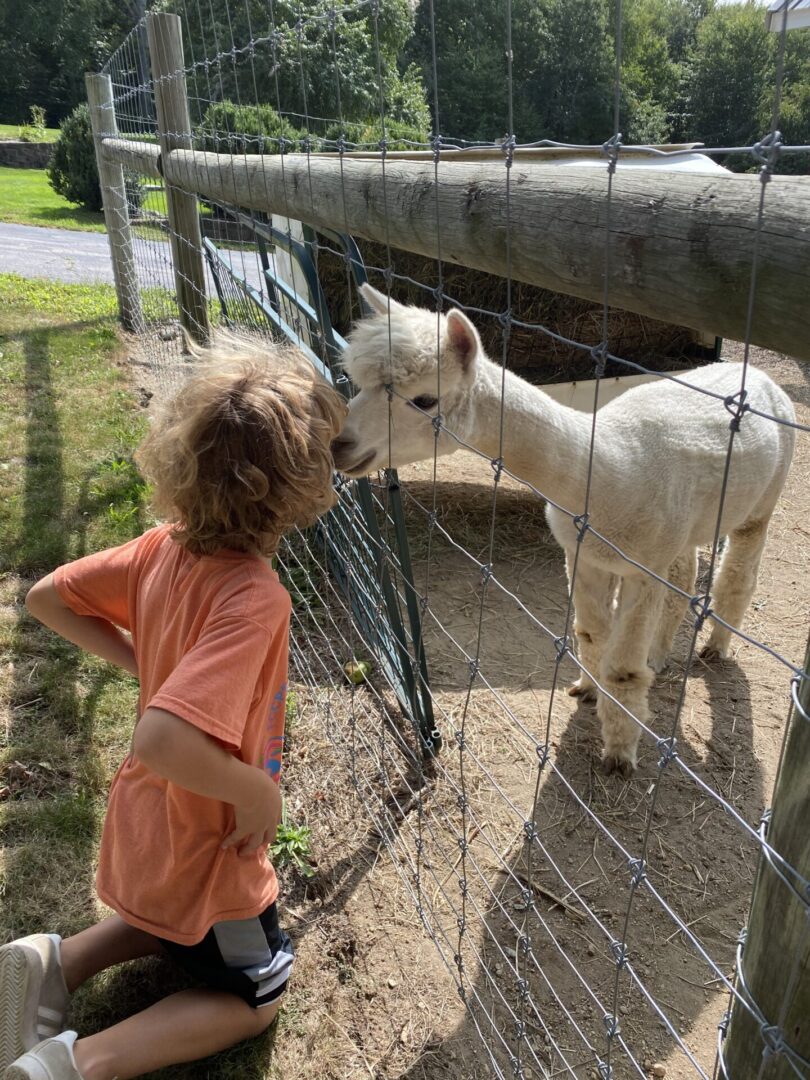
(57, 254)
(74, 257)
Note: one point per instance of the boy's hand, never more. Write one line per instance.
(257, 816)
(186, 756)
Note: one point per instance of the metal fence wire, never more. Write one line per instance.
(590, 925)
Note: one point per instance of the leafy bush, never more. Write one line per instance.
(367, 135)
(72, 170)
(228, 128)
(34, 130)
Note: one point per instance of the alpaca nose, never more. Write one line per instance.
(342, 451)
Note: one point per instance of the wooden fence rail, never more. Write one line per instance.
(681, 243)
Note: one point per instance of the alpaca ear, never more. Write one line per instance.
(462, 338)
(376, 300)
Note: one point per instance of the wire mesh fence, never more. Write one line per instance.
(591, 924)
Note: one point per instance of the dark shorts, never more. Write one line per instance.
(251, 958)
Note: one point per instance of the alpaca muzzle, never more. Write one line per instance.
(348, 460)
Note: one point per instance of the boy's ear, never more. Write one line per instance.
(462, 339)
(376, 300)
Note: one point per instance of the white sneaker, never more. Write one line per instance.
(51, 1060)
(33, 995)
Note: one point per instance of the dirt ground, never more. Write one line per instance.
(376, 991)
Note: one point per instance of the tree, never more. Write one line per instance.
(731, 82)
(656, 38)
(561, 68)
(566, 86)
(728, 75)
(47, 50)
(308, 53)
(794, 117)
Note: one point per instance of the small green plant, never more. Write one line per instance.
(292, 846)
(120, 515)
(290, 710)
(34, 130)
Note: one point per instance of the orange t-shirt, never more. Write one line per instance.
(211, 639)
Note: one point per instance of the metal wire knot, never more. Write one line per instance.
(638, 868)
(773, 1039)
(700, 605)
(508, 144)
(581, 524)
(736, 405)
(562, 646)
(611, 150)
(767, 151)
(611, 1025)
(666, 748)
(619, 950)
(599, 354)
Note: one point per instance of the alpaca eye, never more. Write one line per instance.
(425, 402)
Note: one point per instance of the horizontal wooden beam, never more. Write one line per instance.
(681, 243)
(140, 157)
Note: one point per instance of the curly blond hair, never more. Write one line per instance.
(241, 453)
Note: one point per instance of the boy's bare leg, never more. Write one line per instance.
(110, 942)
(183, 1027)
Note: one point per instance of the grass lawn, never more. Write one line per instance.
(12, 131)
(26, 198)
(68, 486)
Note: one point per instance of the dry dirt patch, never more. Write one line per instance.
(701, 861)
(374, 996)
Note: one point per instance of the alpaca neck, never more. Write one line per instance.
(545, 443)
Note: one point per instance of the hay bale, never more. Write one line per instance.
(531, 353)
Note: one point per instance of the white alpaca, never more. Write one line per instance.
(658, 462)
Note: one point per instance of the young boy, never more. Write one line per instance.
(240, 456)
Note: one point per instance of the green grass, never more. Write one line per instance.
(68, 486)
(26, 198)
(12, 131)
(68, 425)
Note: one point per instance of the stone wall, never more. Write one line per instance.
(24, 155)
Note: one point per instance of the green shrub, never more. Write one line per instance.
(228, 128)
(72, 170)
(34, 130)
(367, 135)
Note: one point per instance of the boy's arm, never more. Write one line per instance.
(90, 633)
(185, 755)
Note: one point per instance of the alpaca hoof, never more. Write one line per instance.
(586, 691)
(712, 652)
(614, 763)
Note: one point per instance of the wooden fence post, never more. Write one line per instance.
(776, 955)
(174, 130)
(114, 201)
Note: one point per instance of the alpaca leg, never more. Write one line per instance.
(735, 583)
(625, 674)
(682, 573)
(593, 612)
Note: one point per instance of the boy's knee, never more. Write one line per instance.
(262, 1018)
